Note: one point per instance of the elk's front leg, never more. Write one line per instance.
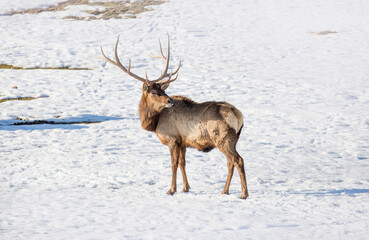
(174, 154)
(182, 166)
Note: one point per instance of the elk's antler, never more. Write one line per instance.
(165, 77)
(166, 60)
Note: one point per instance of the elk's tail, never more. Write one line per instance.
(239, 132)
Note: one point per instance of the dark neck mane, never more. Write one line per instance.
(149, 117)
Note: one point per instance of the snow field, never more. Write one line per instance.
(305, 141)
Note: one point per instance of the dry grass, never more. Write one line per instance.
(6, 66)
(322, 32)
(19, 99)
(107, 10)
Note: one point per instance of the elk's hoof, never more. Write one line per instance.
(171, 192)
(244, 196)
(186, 188)
(225, 192)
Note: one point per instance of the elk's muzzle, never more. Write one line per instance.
(170, 103)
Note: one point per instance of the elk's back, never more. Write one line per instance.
(198, 125)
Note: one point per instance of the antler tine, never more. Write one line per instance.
(106, 58)
(169, 80)
(119, 64)
(129, 65)
(161, 53)
(165, 74)
(172, 74)
(116, 63)
(148, 82)
(179, 65)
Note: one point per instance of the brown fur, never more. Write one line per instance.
(180, 122)
(203, 126)
(149, 118)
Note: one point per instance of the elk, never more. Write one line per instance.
(180, 122)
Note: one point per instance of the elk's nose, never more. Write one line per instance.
(170, 102)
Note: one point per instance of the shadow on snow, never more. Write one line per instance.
(352, 192)
(71, 123)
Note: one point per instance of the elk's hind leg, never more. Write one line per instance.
(238, 161)
(228, 147)
(182, 166)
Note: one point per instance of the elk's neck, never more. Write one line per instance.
(149, 117)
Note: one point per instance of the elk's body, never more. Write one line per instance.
(180, 122)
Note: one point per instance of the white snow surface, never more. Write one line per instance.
(304, 97)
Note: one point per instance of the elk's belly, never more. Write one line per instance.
(195, 135)
(198, 137)
(204, 146)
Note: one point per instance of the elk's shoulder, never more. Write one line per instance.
(185, 100)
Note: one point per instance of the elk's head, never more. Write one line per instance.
(155, 96)
(153, 90)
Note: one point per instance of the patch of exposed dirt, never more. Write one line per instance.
(104, 10)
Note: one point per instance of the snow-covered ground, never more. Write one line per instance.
(305, 99)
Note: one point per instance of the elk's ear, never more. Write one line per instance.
(164, 86)
(145, 87)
